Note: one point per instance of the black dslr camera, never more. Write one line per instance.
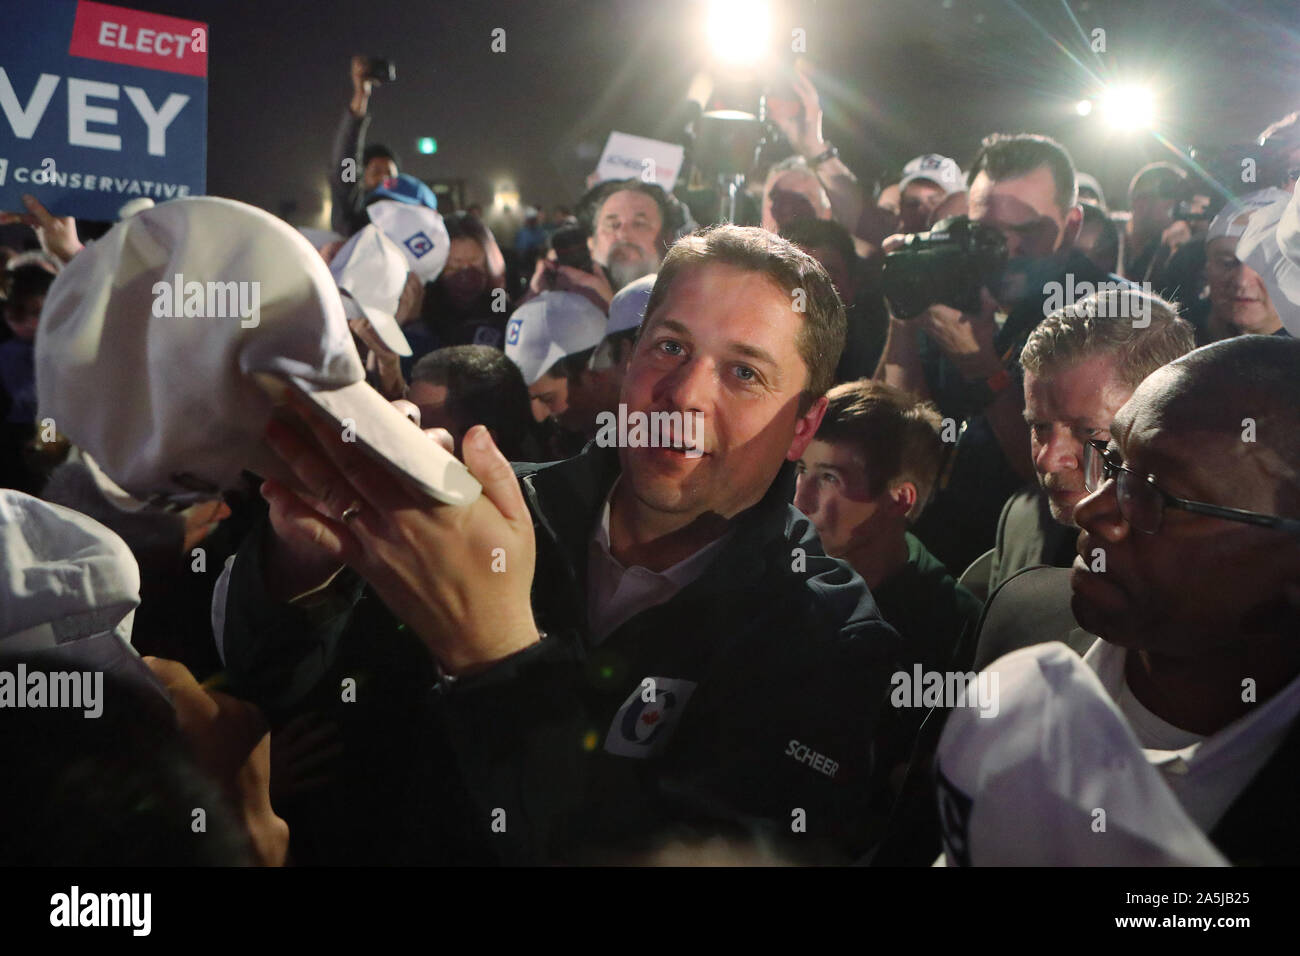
(947, 265)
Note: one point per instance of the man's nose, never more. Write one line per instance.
(688, 387)
(1099, 513)
(1062, 452)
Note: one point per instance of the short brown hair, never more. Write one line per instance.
(899, 435)
(1102, 323)
(821, 339)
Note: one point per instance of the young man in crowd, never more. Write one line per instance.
(863, 481)
(604, 628)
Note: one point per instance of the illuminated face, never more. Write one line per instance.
(377, 170)
(550, 396)
(626, 240)
(721, 348)
(1064, 408)
(833, 491)
(1237, 293)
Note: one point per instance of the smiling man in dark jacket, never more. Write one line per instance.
(620, 646)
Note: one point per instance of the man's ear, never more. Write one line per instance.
(902, 498)
(1073, 223)
(805, 429)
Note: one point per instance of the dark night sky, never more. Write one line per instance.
(904, 77)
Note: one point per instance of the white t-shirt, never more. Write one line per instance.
(1206, 773)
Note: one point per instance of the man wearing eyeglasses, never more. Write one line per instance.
(1188, 574)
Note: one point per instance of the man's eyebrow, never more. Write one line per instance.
(754, 352)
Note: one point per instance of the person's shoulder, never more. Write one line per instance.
(834, 600)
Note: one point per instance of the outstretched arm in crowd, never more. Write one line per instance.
(345, 187)
(801, 122)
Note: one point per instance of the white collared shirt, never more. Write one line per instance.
(1206, 773)
(616, 594)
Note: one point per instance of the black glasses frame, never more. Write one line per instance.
(1110, 469)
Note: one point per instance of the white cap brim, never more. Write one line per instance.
(385, 325)
(392, 439)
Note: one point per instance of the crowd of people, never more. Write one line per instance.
(825, 624)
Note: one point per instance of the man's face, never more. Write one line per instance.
(24, 315)
(919, 201)
(1064, 408)
(793, 195)
(833, 491)
(721, 348)
(1237, 293)
(1024, 210)
(376, 171)
(1151, 212)
(1199, 583)
(626, 240)
(550, 396)
(465, 276)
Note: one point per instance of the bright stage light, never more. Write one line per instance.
(1083, 107)
(738, 30)
(1129, 107)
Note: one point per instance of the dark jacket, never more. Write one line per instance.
(1028, 536)
(775, 655)
(348, 212)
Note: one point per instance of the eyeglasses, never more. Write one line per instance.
(1142, 503)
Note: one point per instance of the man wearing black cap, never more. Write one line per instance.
(350, 181)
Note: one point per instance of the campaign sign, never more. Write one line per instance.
(100, 105)
(636, 157)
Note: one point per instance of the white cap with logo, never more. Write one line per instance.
(371, 273)
(418, 231)
(550, 327)
(940, 170)
(166, 344)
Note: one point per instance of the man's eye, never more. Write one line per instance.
(800, 467)
(829, 478)
(745, 373)
(1042, 430)
(670, 347)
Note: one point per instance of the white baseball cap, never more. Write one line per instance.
(173, 406)
(1232, 220)
(1023, 785)
(418, 230)
(940, 170)
(63, 576)
(1270, 245)
(546, 329)
(627, 308)
(371, 273)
